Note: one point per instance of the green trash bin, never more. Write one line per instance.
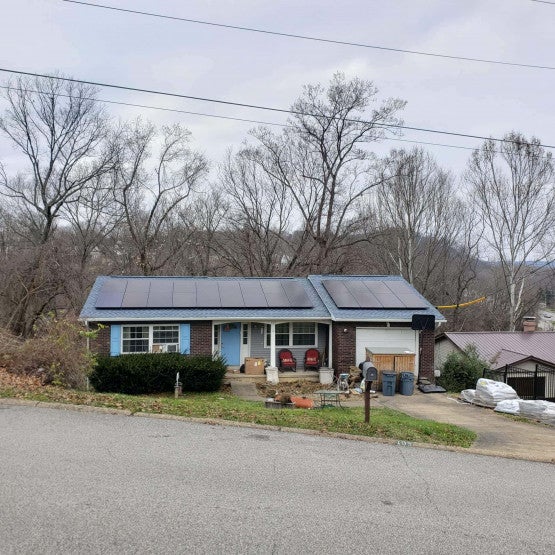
(407, 383)
(388, 383)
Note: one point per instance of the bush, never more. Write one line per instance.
(462, 370)
(155, 373)
(57, 352)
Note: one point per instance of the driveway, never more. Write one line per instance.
(76, 482)
(497, 434)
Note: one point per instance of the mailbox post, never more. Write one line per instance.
(370, 374)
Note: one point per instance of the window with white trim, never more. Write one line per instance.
(245, 334)
(216, 335)
(135, 339)
(150, 339)
(293, 334)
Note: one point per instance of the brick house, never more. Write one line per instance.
(341, 316)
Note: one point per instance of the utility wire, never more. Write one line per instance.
(203, 114)
(257, 107)
(311, 38)
(544, 2)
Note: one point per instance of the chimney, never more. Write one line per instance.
(529, 324)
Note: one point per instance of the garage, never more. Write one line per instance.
(395, 349)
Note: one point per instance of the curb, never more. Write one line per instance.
(251, 425)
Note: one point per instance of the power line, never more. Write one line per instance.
(257, 107)
(544, 2)
(310, 38)
(203, 114)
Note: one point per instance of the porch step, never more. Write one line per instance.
(245, 390)
(232, 377)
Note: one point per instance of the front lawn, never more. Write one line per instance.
(385, 423)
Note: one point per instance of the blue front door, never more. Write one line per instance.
(231, 343)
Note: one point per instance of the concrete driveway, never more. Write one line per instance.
(497, 434)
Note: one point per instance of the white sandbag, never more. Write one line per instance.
(548, 415)
(490, 392)
(508, 406)
(468, 395)
(533, 409)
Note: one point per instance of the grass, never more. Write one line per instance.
(384, 423)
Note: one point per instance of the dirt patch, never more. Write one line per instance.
(298, 388)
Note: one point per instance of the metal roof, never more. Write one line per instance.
(108, 291)
(507, 347)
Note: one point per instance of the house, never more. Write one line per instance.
(523, 359)
(341, 316)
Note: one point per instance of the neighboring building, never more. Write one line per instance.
(523, 359)
(524, 349)
(341, 316)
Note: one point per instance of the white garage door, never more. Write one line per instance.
(386, 341)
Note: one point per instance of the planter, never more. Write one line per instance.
(272, 375)
(326, 375)
(278, 405)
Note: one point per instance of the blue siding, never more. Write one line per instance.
(115, 340)
(185, 338)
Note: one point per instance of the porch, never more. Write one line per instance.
(239, 340)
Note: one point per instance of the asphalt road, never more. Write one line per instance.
(74, 482)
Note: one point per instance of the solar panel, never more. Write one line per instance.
(161, 293)
(230, 294)
(275, 294)
(363, 294)
(297, 294)
(208, 294)
(136, 294)
(253, 295)
(202, 293)
(111, 293)
(184, 294)
(370, 294)
(406, 294)
(341, 296)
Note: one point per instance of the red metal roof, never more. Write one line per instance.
(508, 347)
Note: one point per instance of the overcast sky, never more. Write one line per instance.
(101, 45)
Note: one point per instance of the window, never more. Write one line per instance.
(135, 339)
(293, 334)
(217, 334)
(150, 339)
(304, 333)
(245, 334)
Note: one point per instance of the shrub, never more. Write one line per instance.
(462, 370)
(155, 373)
(57, 352)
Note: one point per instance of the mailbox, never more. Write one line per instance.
(369, 372)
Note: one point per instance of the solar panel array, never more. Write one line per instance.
(199, 293)
(370, 294)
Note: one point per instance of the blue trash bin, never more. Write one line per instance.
(388, 383)
(406, 386)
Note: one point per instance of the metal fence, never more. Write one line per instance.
(529, 384)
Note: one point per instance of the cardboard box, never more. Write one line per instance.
(254, 366)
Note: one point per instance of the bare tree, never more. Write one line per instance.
(322, 161)
(152, 188)
(260, 214)
(513, 185)
(416, 210)
(62, 134)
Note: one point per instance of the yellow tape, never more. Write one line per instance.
(462, 305)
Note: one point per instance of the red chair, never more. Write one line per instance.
(312, 359)
(287, 361)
